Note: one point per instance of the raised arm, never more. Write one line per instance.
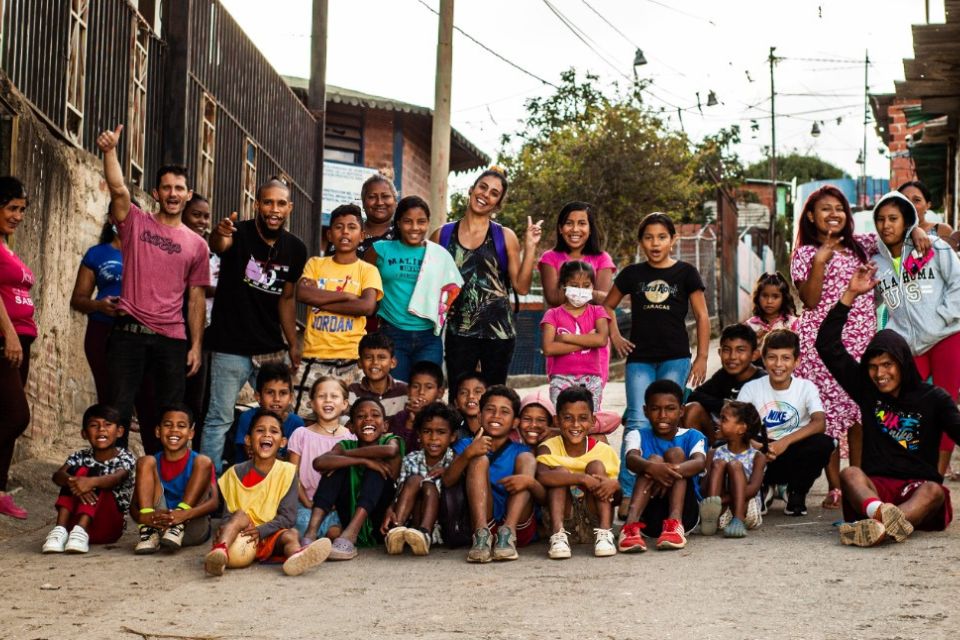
(119, 194)
(521, 267)
(222, 237)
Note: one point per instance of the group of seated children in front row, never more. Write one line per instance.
(494, 471)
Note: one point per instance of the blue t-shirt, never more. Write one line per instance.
(399, 266)
(174, 488)
(502, 464)
(290, 424)
(690, 441)
(106, 262)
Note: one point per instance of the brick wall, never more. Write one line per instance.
(901, 166)
(378, 140)
(416, 161)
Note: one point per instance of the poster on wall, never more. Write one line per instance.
(341, 185)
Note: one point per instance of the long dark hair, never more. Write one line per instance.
(746, 413)
(406, 204)
(788, 308)
(11, 189)
(593, 246)
(499, 173)
(807, 231)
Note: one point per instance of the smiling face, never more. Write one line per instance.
(172, 194)
(575, 230)
(175, 431)
(828, 216)
(779, 364)
(574, 419)
(197, 217)
(497, 417)
(265, 438)
(275, 396)
(379, 203)
(377, 363)
(328, 402)
(664, 412)
(11, 215)
(534, 425)
(736, 356)
(468, 397)
(891, 225)
(885, 373)
(915, 196)
(344, 234)
(422, 390)
(414, 224)
(367, 422)
(436, 434)
(101, 433)
(485, 196)
(273, 208)
(656, 243)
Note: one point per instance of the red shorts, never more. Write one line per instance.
(526, 531)
(897, 491)
(267, 548)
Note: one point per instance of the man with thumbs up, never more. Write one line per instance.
(163, 261)
(254, 312)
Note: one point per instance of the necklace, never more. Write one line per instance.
(328, 431)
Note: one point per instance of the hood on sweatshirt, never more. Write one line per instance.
(892, 343)
(907, 210)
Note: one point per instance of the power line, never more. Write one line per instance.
(682, 12)
(491, 51)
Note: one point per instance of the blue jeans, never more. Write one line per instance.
(411, 347)
(228, 373)
(639, 376)
(303, 519)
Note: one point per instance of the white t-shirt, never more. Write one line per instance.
(786, 411)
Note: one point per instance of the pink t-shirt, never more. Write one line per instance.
(15, 282)
(309, 445)
(556, 259)
(578, 363)
(159, 264)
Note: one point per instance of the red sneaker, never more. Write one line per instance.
(10, 508)
(630, 540)
(672, 536)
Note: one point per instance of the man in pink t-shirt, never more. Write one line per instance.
(163, 261)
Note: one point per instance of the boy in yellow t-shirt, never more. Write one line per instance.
(341, 291)
(580, 475)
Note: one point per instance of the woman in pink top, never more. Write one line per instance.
(19, 331)
(578, 238)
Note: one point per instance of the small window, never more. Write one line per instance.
(208, 142)
(76, 69)
(249, 180)
(343, 141)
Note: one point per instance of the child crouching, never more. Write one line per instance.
(580, 475)
(95, 487)
(419, 481)
(261, 501)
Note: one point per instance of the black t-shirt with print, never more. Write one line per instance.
(659, 301)
(246, 317)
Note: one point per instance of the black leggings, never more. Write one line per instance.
(464, 354)
(14, 410)
(801, 464)
(375, 495)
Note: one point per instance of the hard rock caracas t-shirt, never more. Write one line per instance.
(246, 315)
(659, 301)
(782, 411)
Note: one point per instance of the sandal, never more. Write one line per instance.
(342, 549)
(832, 501)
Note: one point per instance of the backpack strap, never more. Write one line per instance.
(500, 244)
(446, 232)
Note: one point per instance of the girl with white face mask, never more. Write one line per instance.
(574, 333)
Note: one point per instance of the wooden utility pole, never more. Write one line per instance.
(317, 103)
(440, 140)
(773, 151)
(862, 200)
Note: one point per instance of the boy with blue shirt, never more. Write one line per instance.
(667, 460)
(274, 393)
(498, 475)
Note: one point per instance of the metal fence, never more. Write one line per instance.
(700, 250)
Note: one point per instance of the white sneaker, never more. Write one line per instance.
(559, 546)
(56, 540)
(753, 518)
(603, 545)
(78, 541)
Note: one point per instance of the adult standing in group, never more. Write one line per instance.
(480, 327)
(254, 310)
(163, 261)
(378, 196)
(918, 194)
(19, 331)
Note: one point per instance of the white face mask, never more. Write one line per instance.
(578, 296)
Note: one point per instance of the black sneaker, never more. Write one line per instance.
(796, 504)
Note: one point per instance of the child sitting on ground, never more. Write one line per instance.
(419, 482)
(358, 480)
(260, 497)
(468, 390)
(426, 387)
(328, 397)
(580, 475)
(498, 497)
(95, 486)
(175, 490)
(274, 393)
(738, 350)
(537, 415)
(376, 362)
(667, 460)
(735, 474)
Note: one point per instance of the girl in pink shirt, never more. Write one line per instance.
(574, 333)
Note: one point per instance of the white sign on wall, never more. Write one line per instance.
(341, 185)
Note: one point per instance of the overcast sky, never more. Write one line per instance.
(388, 48)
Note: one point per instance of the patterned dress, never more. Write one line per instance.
(841, 411)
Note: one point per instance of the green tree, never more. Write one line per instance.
(794, 165)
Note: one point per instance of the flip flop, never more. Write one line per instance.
(343, 549)
(832, 501)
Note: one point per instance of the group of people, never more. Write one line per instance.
(393, 424)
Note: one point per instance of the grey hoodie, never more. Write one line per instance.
(923, 307)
